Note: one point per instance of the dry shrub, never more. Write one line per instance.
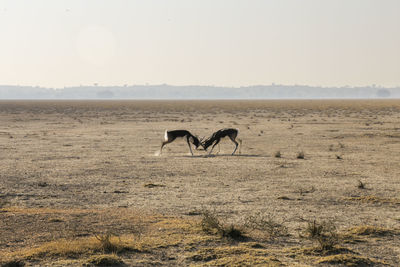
(151, 185)
(323, 233)
(266, 224)
(210, 224)
(300, 155)
(106, 260)
(361, 185)
(346, 260)
(278, 154)
(106, 244)
(303, 191)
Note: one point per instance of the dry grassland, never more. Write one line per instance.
(316, 183)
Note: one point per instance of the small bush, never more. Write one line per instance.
(106, 244)
(323, 233)
(278, 154)
(211, 225)
(303, 191)
(266, 223)
(361, 185)
(232, 232)
(106, 260)
(300, 155)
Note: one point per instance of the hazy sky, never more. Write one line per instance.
(60, 43)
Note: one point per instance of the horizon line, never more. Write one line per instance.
(193, 85)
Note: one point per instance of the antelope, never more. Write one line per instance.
(170, 136)
(216, 137)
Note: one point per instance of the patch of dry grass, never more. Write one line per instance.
(318, 251)
(210, 224)
(80, 247)
(106, 260)
(324, 234)
(166, 234)
(348, 260)
(300, 155)
(266, 224)
(90, 143)
(20, 210)
(234, 256)
(370, 230)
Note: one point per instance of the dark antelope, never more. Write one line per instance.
(216, 137)
(170, 136)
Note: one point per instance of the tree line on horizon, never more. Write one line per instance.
(196, 92)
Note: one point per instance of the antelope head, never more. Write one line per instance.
(200, 139)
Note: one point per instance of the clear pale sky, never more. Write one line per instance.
(57, 43)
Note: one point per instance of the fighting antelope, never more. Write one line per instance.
(216, 137)
(170, 136)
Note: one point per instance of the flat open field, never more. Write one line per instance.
(74, 170)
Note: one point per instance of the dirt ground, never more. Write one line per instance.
(102, 155)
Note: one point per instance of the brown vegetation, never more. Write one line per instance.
(81, 184)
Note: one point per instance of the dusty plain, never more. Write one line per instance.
(85, 171)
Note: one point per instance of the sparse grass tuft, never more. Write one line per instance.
(265, 223)
(81, 246)
(361, 185)
(151, 185)
(106, 244)
(240, 255)
(106, 260)
(370, 230)
(303, 191)
(323, 233)
(233, 232)
(346, 260)
(13, 263)
(210, 224)
(300, 155)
